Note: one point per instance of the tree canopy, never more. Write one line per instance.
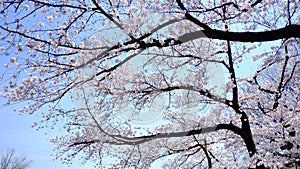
(179, 83)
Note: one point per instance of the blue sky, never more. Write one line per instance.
(16, 132)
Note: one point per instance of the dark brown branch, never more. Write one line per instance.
(293, 71)
(207, 156)
(122, 140)
(191, 18)
(289, 31)
(83, 143)
(255, 3)
(280, 85)
(246, 133)
(235, 101)
(286, 32)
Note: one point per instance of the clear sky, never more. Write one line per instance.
(16, 133)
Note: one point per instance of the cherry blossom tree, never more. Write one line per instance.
(139, 81)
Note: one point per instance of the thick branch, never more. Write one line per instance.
(247, 134)
(289, 31)
(286, 32)
(123, 140)
(235, 101)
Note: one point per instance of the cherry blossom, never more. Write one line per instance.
(180, 83)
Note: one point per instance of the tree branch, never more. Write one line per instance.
(290, 31)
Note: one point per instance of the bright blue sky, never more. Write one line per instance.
(16, 132)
